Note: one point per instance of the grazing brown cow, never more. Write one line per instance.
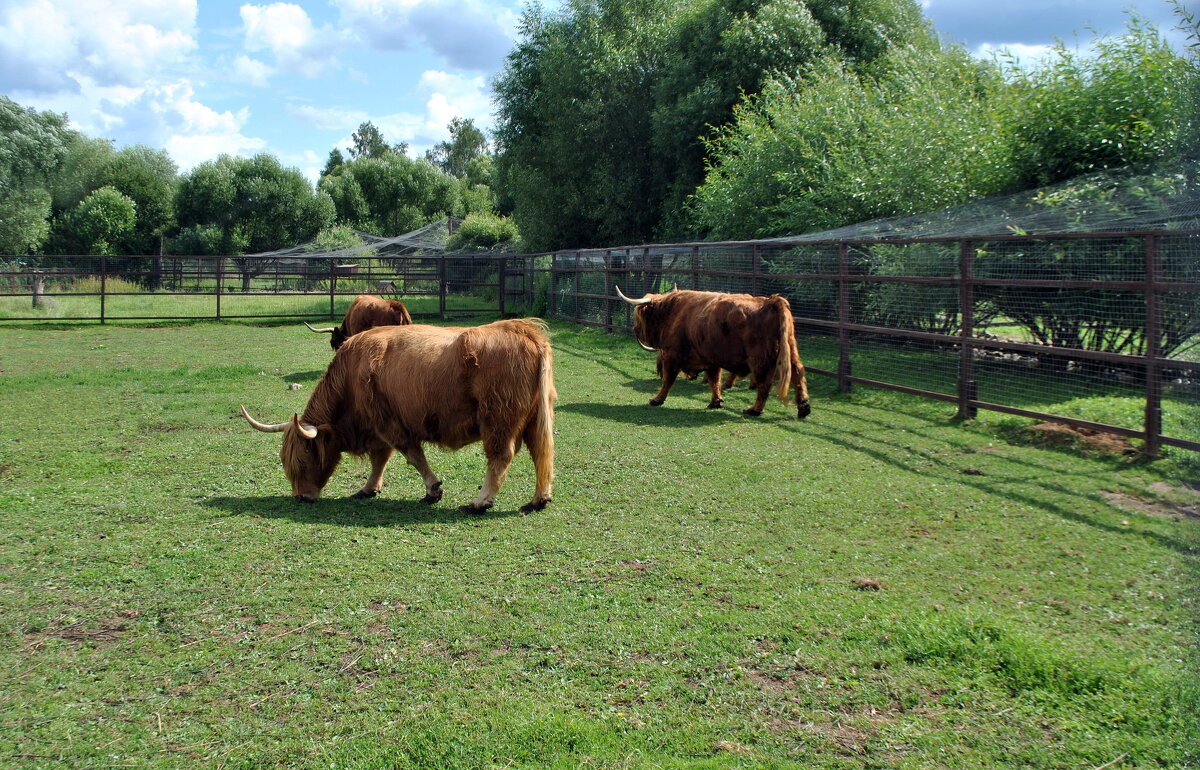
(366, 312)
(399, 387)
(707, 331)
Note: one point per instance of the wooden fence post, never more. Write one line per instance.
(501, 276)
(441, 272)
(608, 314)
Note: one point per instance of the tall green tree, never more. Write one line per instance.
(391, 195)
(235, 206)
(466, 143)
(604, 105)
(369, 143)
(103, 220)
(33, 146)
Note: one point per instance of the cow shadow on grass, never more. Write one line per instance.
(311, 376)
(688, 414)
(352, 512)
(1009, 476)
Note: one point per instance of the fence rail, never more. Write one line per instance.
(1033, 326)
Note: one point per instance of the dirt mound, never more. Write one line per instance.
(1057, 435)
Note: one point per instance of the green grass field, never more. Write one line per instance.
(876, 586)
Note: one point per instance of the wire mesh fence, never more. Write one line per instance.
(1099, 330)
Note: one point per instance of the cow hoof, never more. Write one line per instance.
(364, 494)
(433, 496)
(804, 410)
(535, 505)
(474, 509)
(752, 412)
(716, 403)
(655, 402)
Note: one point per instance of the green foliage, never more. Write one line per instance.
(837, 147)
(369, 143)
(1132, 104)
(391, 195)
(485, 232)
(103, 220)
(466, 144)
(603, 105)
(235, 205)
(33, 146)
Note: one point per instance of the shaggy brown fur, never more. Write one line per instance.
(367, 312)
(705, 331)
(400, 387)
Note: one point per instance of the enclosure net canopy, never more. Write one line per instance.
(430, 239)
(1103, 202)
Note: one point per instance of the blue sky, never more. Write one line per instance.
(202, 77)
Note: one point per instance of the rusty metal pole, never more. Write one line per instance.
(843, 369)
(968, 391)
(1153, 417)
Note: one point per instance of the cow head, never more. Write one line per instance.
(338, 334)
(649, 312)
(309, 454)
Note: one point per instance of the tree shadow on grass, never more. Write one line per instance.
(352, 512)
(892, 451)
(311, 376)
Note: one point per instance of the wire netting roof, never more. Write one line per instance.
(424, 240)
(1107, 202)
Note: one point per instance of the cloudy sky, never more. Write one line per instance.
(202, 77)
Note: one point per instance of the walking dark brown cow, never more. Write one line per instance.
(366, 312)
(707, 331)
(396, 388)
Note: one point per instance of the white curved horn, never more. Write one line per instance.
(305, 429)
(276, 428)
(634, 302)
(675, 287)
(319, 331)
(647, 347)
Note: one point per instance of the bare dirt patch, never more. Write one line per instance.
(102, 631)
(1058, 436)
(1150, 508)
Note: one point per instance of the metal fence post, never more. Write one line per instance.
(968, 391)
(501, 276)
(103, 287)
(219, 270)
(696, 268)
(441, 272)
(578, 280)
(843, 369)
(1153, 417)
(608, 290)
(332, 286)
(755, 268)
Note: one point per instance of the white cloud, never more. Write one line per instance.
(51, 47)
(252, 72)
(328, 118)
(287, 33)
(468, 34)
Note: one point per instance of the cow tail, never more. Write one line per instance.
(787, 343)
(539, 436)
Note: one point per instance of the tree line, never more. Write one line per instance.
(62, 192)
(632, 121)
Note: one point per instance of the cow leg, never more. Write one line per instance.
(541, 448)
(379, 460)
(763, 382)
(669, 372)
(415, 456)
(801, 382)
(730, 379)
(499, 451)
(713, 376)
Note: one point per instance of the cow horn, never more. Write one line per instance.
(647, 347)
(319, 331)
(635, 302)
(277, 428)
(305, 429)
(675, 287)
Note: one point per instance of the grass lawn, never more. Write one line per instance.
(876, 586)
